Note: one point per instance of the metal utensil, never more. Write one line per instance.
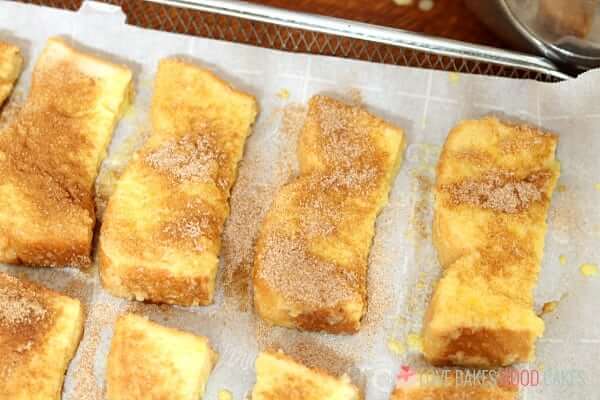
(565, 31)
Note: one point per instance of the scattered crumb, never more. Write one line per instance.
(380, 288)
(403, 2)
(325, 353)
(453, 77)
(86, 385)
(415, 342)
(292, 122)
(130, 112)
(549, 307)
(426, 5)
(597, 186)
(421, 217)
(250, 200)
(589, 269)
(396, 346)
(355, 95)
(562, 260)
(283, 94)
(540, 367)
(566, 216)
(561, 188)
(224, 394)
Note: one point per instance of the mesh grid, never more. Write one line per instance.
(192, 22)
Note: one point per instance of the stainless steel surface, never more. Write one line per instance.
(278, 29)
(371, 33)
(517, 21)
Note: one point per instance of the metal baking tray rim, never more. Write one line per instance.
(371, 33)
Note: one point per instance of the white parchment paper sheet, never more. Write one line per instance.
(427, 104)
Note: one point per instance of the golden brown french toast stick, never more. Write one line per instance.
(50, 155)
(493, 190)
(161, 236)
(39, 333)
(151, 361)
(310, 268)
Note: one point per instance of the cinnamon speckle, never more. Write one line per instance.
(25, 317)
(499, 191)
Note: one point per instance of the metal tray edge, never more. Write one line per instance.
(371, 33)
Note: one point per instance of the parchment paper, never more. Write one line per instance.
(403, 268)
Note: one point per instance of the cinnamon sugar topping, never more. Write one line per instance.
(195, 223)
(19, 307)
(24, 318)
(314, 245)
(50, 154)
(46, 126)
(16, 310)
(191, 157)
(344, 140)
(304, 277)
(499, 191)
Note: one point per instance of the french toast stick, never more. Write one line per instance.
(50, 155)
(310, 266)
(161, 235)
(40, 331)
(492, 194)
(150, 361)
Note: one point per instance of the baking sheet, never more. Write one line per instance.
(403, 266)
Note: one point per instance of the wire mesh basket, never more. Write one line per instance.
(180, 17)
